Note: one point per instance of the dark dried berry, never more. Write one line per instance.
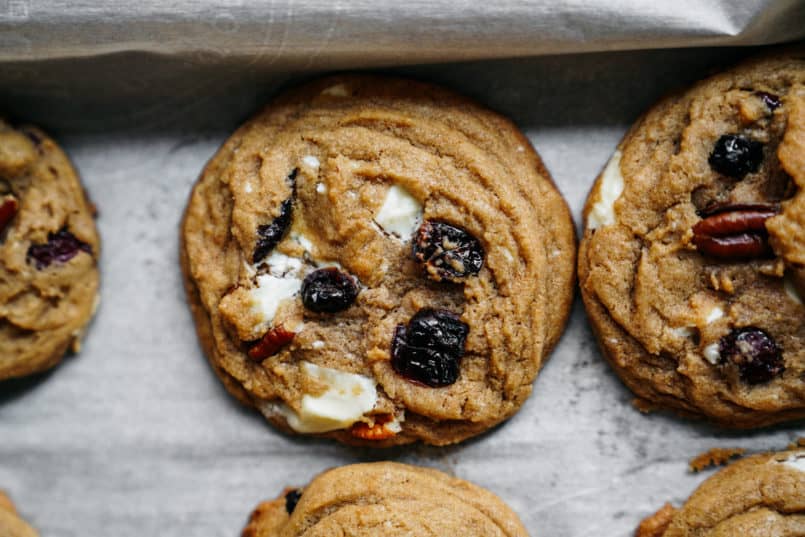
(328, 290)
(754, 352)
(292, 498)
(430, 348)
(447, 252)
(771, 100)
(735, 156)
(269, 235)
(61, 247)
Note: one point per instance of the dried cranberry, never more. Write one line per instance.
(269, 235)
(292, 498)
(447, 252)
(430, 348)
(328, 290)
(735, 156)
(754, 352)
(771, 100)
(61, 247)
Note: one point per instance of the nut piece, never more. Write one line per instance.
(8, 208)
(378, 431)
(272, 341)
(735, 232)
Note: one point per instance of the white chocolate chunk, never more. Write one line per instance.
(280, 264)
(347, 398)
(310, 161)
(711, 354)
(603, 210)
(791, 291)
(400, 213)
(303, 241)
(797, 462)
(318, 344)
(270, 292)
(339, 90)
(321, 188)
(684, 331)
(248, 188)
(714, 315)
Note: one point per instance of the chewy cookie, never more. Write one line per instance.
(11, 525)
(48, 249)
(692, 265)
(379, 261)
(385, 499)
(759, 496)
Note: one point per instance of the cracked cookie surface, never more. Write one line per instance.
(359, 214)
(758, 496)
(48, 248)
(385, 499)
(692, 256)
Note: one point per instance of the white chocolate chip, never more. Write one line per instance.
(712, 354)
(280, 264)
(610, 189)
(248, 188)
(321, 188)
(270, 292)
(347, 398)
(318, 344)
(684, 331)
(339, 90)
(310, 161)
(714, 315)
(400, 213)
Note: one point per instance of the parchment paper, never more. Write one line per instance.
(136, 436)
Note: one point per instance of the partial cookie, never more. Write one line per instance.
(380, 261)
(48, 253)
(385, 499)
(759, 496)
(693, 256)
(11, 525)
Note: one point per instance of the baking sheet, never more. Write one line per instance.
(136, 436)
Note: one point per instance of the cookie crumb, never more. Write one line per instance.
(656, 524)
(714, 457)
(644, 406)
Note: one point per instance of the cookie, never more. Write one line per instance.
(379, 261)
(48, 253)
(385, 499)
(692, 264)
(11, 525)
(759, 496)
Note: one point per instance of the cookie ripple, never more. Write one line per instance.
(347, 141)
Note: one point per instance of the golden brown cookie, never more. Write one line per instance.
(760, 496)
(48, 253)
(11, 525)
(385, 499)
(691, 265)
(379, 261)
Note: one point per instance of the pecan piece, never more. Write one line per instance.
(378, 431)
(270, 343)
(8, 208)
(735, 232)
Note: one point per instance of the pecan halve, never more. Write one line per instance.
(378, 431)
(8, 208)
(737, 232)
(271, 342)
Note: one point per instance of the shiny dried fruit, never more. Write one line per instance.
(734, 233)
(328, 290)
(271, 343)
(61, 247)
(771, 101)
(269, 235)
(8, 209)
(754, 352)
(378, 431)
(735, 156)
(292, 498)
(447, 252)
(429, 349)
